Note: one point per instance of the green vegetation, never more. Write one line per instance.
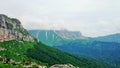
(53, 56)
(16, 50)
(23, 31)
(9, 25)
(27, 52)
(0, 25)
(8, 66)
(16, 21)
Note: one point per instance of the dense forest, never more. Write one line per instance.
(53, 56)
(103, 51)
(26, 52)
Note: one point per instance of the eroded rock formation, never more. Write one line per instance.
(11, 28)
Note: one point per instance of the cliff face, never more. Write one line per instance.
(11, 29)
(56, 37)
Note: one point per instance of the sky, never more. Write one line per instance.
(91, 17)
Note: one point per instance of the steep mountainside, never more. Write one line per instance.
(55, 37)
(11, 28)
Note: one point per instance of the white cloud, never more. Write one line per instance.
(91, 17)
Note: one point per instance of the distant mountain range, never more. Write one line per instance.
(55, 37)
(109, 38)
(102, 51)
(105, 49)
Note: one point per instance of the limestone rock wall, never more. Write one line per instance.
(11, 29)
(63, 66)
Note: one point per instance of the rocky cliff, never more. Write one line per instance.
(70, 35)
(11, 28)
(56, 37)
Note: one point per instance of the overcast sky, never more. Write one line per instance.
(91, 17)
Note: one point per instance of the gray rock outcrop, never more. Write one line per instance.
(62, 66)
(11, 28)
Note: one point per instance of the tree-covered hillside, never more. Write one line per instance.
(103, 51)
(109, 38)
(26, 52)
(14, 52)
(2, 65)
(53, 56)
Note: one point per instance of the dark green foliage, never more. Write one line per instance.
(8, 66)
(16, 21)
(107, 52)
(16, 50)
(53, 56)
(23, 31)
(18, 27)
(0, 25)
(9, 25)
(22, 51)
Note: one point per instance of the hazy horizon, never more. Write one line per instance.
(92, 18)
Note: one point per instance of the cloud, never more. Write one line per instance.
(91, 17)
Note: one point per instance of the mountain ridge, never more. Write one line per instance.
(54, 37)
(109, 38)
